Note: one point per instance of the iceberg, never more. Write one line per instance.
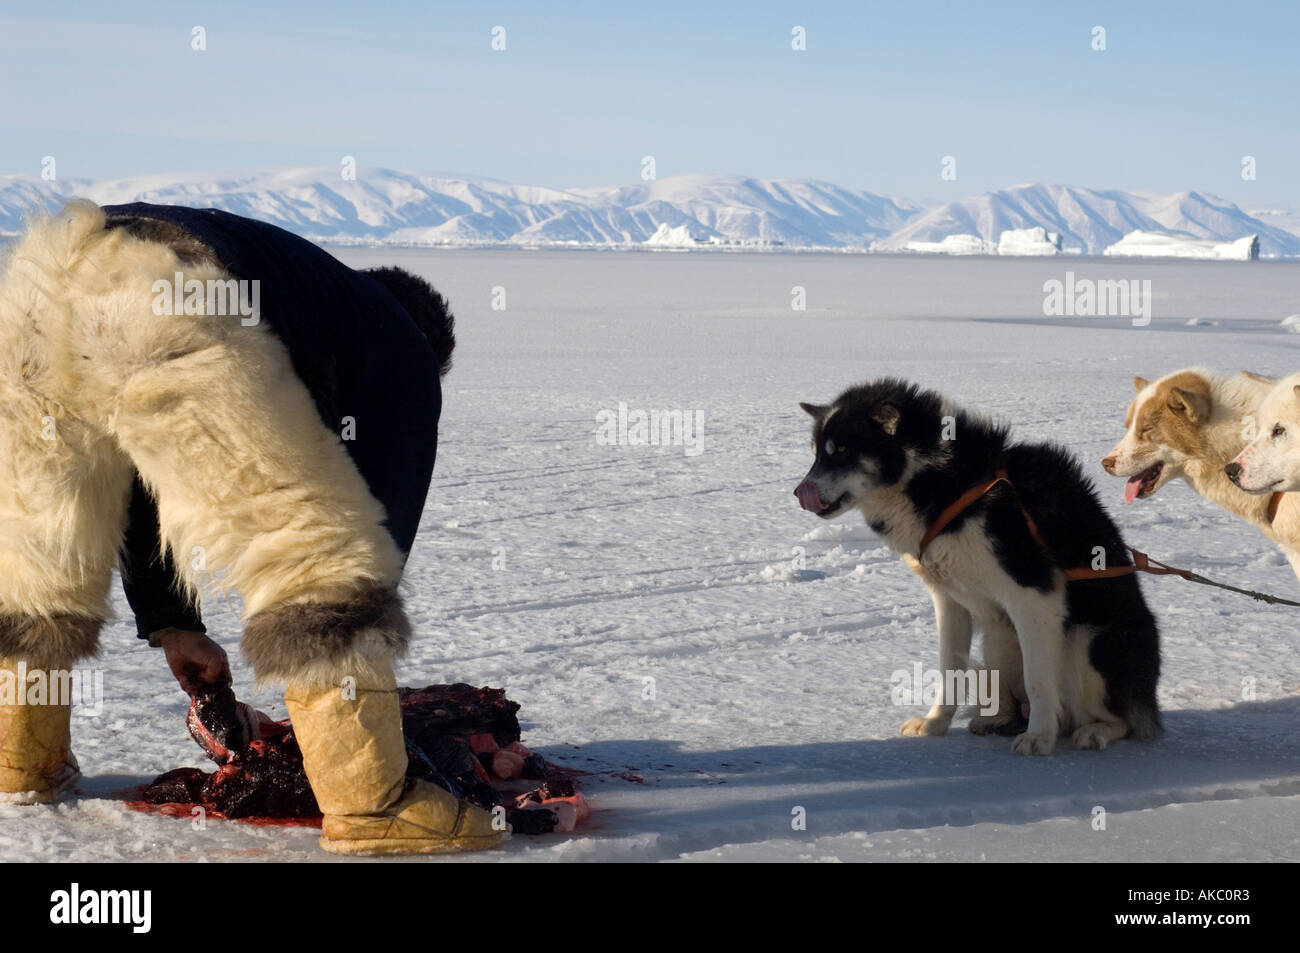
(1140, 244)
(1029, 241)
(954, 245)
(681, 236)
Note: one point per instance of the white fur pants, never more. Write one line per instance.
(253, 491)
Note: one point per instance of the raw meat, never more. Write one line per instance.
(457, 736)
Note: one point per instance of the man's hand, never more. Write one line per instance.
(194, 657)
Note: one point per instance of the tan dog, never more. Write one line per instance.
(1189, 425)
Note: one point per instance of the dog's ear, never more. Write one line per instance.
(1195, 407)
(1259, 378)
(887, 416)
(815, 411)
(1140, 383)
(1296, 390)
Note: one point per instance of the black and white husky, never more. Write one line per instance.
(1083, 653)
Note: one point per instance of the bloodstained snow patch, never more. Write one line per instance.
(461, 738)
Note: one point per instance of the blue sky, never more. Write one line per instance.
(884, 90)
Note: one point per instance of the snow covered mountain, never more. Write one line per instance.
(384, 206)
(1283, 215)
(1090, 220)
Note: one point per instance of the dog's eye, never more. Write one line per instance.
(1278, 430)
(830, 448)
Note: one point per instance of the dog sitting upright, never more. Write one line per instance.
(1085, 653)
(1189, 425)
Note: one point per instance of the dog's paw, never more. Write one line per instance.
(1030, 743)
(996, 724)
(1097, 735)
(924, 726)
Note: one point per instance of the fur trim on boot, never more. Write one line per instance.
(57, 642)
(319, 643)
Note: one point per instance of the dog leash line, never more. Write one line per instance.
(1141, 561)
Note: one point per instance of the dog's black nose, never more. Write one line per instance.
(1234, 471)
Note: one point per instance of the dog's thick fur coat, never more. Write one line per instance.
(253, 490)
(1085, 654)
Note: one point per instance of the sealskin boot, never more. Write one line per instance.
(36, 762)
(355, 758)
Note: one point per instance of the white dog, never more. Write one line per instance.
(1271, 462)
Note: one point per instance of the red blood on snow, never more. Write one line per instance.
(457, 736)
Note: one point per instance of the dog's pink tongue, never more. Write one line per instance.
(809, 498)
(1132, 487)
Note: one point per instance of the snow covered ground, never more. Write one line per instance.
(574, 571)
